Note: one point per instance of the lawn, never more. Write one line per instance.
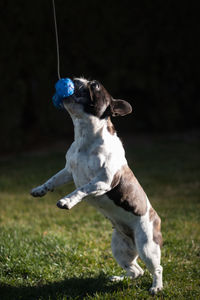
(48, 253)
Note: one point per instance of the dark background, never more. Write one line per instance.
(145, 52)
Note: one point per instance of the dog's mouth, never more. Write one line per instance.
(81, 91)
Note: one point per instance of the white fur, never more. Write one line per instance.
(91, 162)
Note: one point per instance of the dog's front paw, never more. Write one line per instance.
(64, 203)
(39, 191)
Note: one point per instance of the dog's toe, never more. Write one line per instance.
(38, 192)
(116, 278)
(62, 204)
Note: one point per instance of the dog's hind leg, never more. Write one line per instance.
(125, 253)
(149, 252)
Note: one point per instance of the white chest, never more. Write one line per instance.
(87, 159)
(83, 165)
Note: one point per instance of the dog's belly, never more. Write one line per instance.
(121, 219)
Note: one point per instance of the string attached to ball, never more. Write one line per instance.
(64, 86)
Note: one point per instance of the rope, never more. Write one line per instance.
(57, 42)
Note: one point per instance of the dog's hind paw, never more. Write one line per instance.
(116, 278)
(155, 290)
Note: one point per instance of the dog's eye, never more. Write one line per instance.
(95, 85)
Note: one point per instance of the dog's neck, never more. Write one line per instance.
(88, 129)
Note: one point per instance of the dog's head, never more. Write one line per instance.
(90, 97)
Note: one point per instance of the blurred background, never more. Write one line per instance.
(146, 52)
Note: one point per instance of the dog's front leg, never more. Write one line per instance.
(58, 179)
(96, 187)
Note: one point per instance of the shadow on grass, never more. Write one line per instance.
(73, 288)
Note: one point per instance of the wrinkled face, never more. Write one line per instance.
(90, 97)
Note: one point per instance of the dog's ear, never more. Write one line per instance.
(120, 107)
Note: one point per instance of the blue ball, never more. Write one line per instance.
(58, 101)
(64, 88)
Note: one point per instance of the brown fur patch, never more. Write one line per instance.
(127, 192)
(110, 127)
(157, 235)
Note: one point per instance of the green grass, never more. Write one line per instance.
(47, 253)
